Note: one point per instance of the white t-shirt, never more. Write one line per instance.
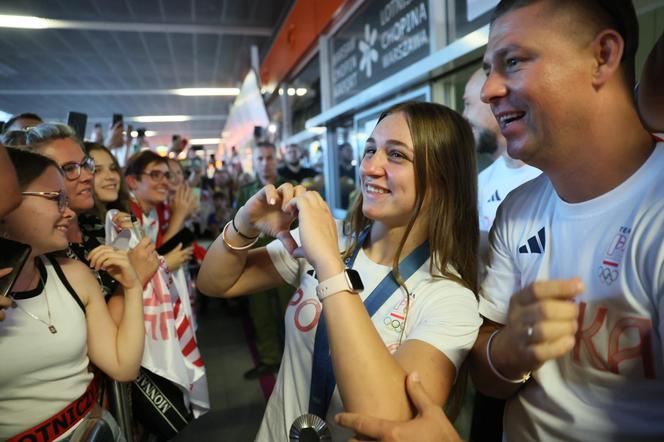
(42, 372)
(442, 313)
(611, 385)
(495, 182)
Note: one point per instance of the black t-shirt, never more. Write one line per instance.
(288, 175)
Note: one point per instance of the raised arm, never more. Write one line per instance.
(227, 271)
(115, 349)
(650, 98)
(371, 380)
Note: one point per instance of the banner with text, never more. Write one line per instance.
(381, 39)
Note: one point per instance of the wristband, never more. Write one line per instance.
(495, 370)
(231, 246)
(240, 233)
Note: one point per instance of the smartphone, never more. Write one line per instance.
(78, 122)
(14, 254)
(116, 118)
(184, 237)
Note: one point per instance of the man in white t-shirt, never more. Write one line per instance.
(590, 231)
(505, 173)
(575, 284)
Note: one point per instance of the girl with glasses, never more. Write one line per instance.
(148, 177)
(60, 322)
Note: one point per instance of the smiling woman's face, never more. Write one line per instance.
(107, 176)
(39, 221)
(66, 151)
(387, 173)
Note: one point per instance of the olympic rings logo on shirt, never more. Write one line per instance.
(607, 275)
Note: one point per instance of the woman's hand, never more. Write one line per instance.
(318, 234)
(122, 221)
(178, 256)
(117, 264)
(145, 260)
(265, 212)
(184, 202)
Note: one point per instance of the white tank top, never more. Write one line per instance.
(42, 372)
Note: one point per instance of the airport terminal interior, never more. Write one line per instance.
(186, 109)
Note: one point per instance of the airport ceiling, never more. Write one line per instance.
(126, 56)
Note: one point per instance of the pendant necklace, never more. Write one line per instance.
(48, 324)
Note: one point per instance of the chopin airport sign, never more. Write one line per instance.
(380, 40)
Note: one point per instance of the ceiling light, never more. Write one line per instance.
(22, 22)
(291, 91)
(161, 118)
(148, 133)
(204, 141)
(281, 91)
(272, 128)
(301, 91)
(207, 91)
(317, 130)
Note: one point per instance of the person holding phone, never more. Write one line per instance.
(409, 252)
(61, 322)
(148, 177)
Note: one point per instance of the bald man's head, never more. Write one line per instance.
(485, 127)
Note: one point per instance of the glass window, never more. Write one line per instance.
(466, 16)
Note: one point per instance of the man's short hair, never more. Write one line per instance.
(24, 115)
(265, 145)
(600, 14)
(137, 164)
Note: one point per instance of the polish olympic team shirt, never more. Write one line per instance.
(442, 313)
(611, 385)
(495, 182)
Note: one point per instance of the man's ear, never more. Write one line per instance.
(607, 47)
(132, 182)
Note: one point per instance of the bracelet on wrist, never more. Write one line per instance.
(231, 246)
(240, 233)
(495, 370)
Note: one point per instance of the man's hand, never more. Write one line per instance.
(430, 424)
(145, 260)
(541, 325)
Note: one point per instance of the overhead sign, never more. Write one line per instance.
(380, 40)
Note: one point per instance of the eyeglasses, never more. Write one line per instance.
(60, 197)
(157, 175)
(73, 170)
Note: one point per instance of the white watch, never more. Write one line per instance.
(349, 280)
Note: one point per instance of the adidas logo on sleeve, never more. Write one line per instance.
(535, 243)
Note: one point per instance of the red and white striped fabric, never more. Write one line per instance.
(171, 349)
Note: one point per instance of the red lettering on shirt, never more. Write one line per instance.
(643, 350)
(615, 353)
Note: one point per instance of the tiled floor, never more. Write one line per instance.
(237, 405)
